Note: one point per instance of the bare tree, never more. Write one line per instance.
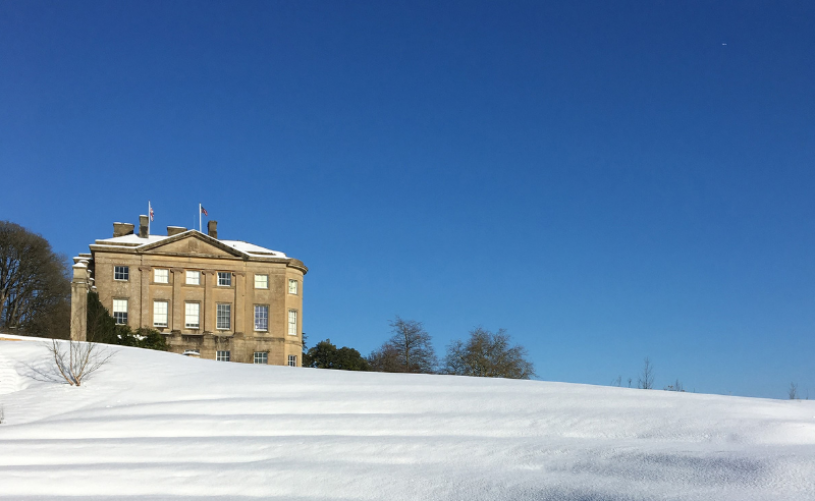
(677, 386)
(55, 323)
(71, 362)
(792, 392)
(487, 354)
(408, 350)
(646, 381)
(385, 359)
(33, 280)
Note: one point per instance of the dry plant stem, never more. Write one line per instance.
(58, 361)
(75, 366)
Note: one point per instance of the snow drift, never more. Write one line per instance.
(154, 425)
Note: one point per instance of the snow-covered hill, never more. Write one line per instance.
(156, 425)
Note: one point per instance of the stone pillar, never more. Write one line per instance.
(208, 308)
(240, 303)
(176, 320)
(80, 285)
(145, 305)
(207, 349)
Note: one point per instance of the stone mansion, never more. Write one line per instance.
(226, 300)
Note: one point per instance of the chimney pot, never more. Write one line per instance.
(143, 225)
(212, 229)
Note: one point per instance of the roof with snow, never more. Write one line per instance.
(136, 242)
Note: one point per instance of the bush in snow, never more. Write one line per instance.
(71, 362)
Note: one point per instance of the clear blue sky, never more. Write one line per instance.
(605, 180)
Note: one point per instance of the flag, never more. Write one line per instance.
(151, 212)
(204, 211)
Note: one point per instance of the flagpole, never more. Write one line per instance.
(199, 218)
(149, 216)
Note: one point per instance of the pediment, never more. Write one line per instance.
(192, 244)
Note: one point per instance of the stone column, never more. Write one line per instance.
(240, 304)
(144, 303)
(176, 320)
(208, 308)
(80, 285)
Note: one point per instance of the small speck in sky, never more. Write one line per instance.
(723, 43)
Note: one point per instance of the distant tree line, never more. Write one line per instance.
(410, 350)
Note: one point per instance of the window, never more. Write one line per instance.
(224, 278)
(193, 278)
(292, 322)
(223, 316)
(261, 357)
(222, 355)
(120, 311)
(160, 313)
(191, 311)
(292, 360)
(261, 281)
(261, 318)
(161, 276)
(121, 273)
(292, 286)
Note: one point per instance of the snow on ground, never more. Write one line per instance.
(155, 425)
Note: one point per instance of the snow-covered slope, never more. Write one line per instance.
(156, 425)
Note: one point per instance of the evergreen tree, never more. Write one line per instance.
(325, 355)
(102, 328)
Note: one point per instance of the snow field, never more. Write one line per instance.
(155, 425)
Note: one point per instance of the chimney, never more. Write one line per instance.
(143, 222)
(175, 230)
(212, 229)
(122, 229)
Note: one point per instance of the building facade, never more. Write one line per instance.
(226, 300)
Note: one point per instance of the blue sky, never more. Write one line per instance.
(605, 180)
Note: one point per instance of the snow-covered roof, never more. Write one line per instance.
(132, 239)
(252, 249)
(135, 241)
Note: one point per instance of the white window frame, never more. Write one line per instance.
(261, 357)
(261, 281)
(161, 276)
(120, 311)
(219, 317)
(222, 355)
(193, 278)
(119, 271)
(293, 284)
(224, 279)
(292, 323)
(187, 323)
(157, 313)
(265, 318)
(292, 361)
